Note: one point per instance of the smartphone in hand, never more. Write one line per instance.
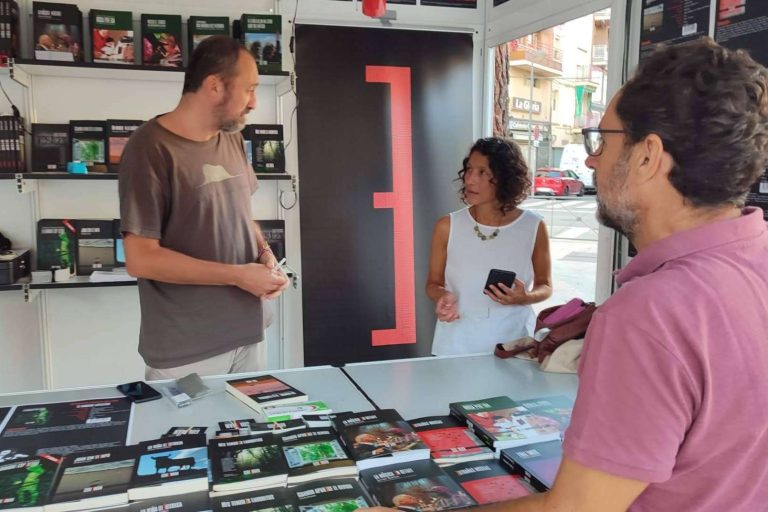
(139, 392)
(496, 276)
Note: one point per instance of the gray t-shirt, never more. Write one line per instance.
(195, 197)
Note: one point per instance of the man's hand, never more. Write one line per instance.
(261, 281)
(447, 307)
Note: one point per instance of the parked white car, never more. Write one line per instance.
(574, 158)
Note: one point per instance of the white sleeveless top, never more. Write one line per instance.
(483, 322)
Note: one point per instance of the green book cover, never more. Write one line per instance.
(161, 40)
(200, 28)
(56, 244)
(261, 36)
(112, 36)
(293, 411)
(26, 483)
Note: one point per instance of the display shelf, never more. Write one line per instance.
(108, 176)
(21, 69)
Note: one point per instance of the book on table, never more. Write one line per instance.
(315, 453)
(188, 502)
(488, 481)
(449, 440)
(537, 463)
(26, 483)
(170, 466)
(337, 495)
(264, 390)
(287, 412)
(460, 410)
(246, 462)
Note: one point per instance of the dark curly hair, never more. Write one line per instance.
(709, 106)
(510, 172)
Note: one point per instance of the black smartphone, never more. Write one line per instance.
(139, 392)
(496, 276)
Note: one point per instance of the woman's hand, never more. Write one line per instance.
(447, 307)
(503, 294)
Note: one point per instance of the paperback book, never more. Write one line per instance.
(200, 28)
(264, 390)
(558, 408)
(189, 502)
(275, 499)
(95, 245)
(50, 147)
(342, 495)
(266, 146)
(506, 427)
(98, 478)
(161, 40)
(118, 133)
(246, 462)
(57, 32)
(488, 481)
(170, 466)
(89, 144)
(25, 484)
(460, 410)
(450, 441)
(260, 34)
(112, 36)
(377, 438)
(420, 486)
(56, 244)
(536, 463)
(289, 412)
(274, 234)
(251, 426)
(315, 453)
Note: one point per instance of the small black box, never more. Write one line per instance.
(14, 265)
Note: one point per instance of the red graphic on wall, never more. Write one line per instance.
(400, 200)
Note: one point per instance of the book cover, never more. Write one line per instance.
(25, 484)
(170, 466)
(513, 426)
(56, 244)
(315, 453)
(57, 32)
(420, 486)
(97, 478)
(260, 34)
(50, 147)
(119, 244)
(380, 437)
(95, 245)
(266, 147)
(251, 426)
(112, 36)
(276, 499)
(184, 431)
(189, 502)
(118, 133)
(487, 481)
(200, 28)
(161, 40)
(337, 495)
(287, 412)
(89, 144)
(558, 408)
(274, 234)
(537, 463)
(262, 390)
(449, 440)
(459, 410)
(246, 462)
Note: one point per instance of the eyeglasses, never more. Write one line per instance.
(593, 139)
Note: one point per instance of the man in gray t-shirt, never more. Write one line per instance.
(185, 207)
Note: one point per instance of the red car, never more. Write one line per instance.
(557, 182)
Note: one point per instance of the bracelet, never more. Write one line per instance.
(262, 250)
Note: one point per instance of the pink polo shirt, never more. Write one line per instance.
(673, 383)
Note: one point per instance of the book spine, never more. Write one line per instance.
(519, 469)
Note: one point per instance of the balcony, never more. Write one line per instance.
(600, 55)
(546, 59)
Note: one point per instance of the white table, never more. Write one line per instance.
(425, 386)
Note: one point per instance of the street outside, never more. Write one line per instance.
(572, 228)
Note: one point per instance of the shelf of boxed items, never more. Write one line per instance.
(21, 69)
(28, 287)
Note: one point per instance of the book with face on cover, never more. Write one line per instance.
(170, 466)
(487, 481)
(377, 438)
(450, 441)
(264, 390)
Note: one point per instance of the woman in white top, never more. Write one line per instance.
(492, 232)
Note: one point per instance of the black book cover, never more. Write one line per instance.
(487, 481)
(313, 451)
(460, 410)
(267, 150)
(58, 32)
(419, 485)
(189, 502)
(50, 147)
(89, 144)
(251, 426)
(112, 39)
(95, 245)
(118, 133)
(274, 235)
(95, 474)
(260, 34)
(538, 463)
(238, 462)
(161, 40)
(199, 28)
(169, 460)
(380, 433)
(558, 408)
(276, 499)
(56, 244)
(27, 483)
(336, 495)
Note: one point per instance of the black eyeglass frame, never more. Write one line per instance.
(585, 134)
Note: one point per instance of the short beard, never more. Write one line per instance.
(231, 125)
(621, 215)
